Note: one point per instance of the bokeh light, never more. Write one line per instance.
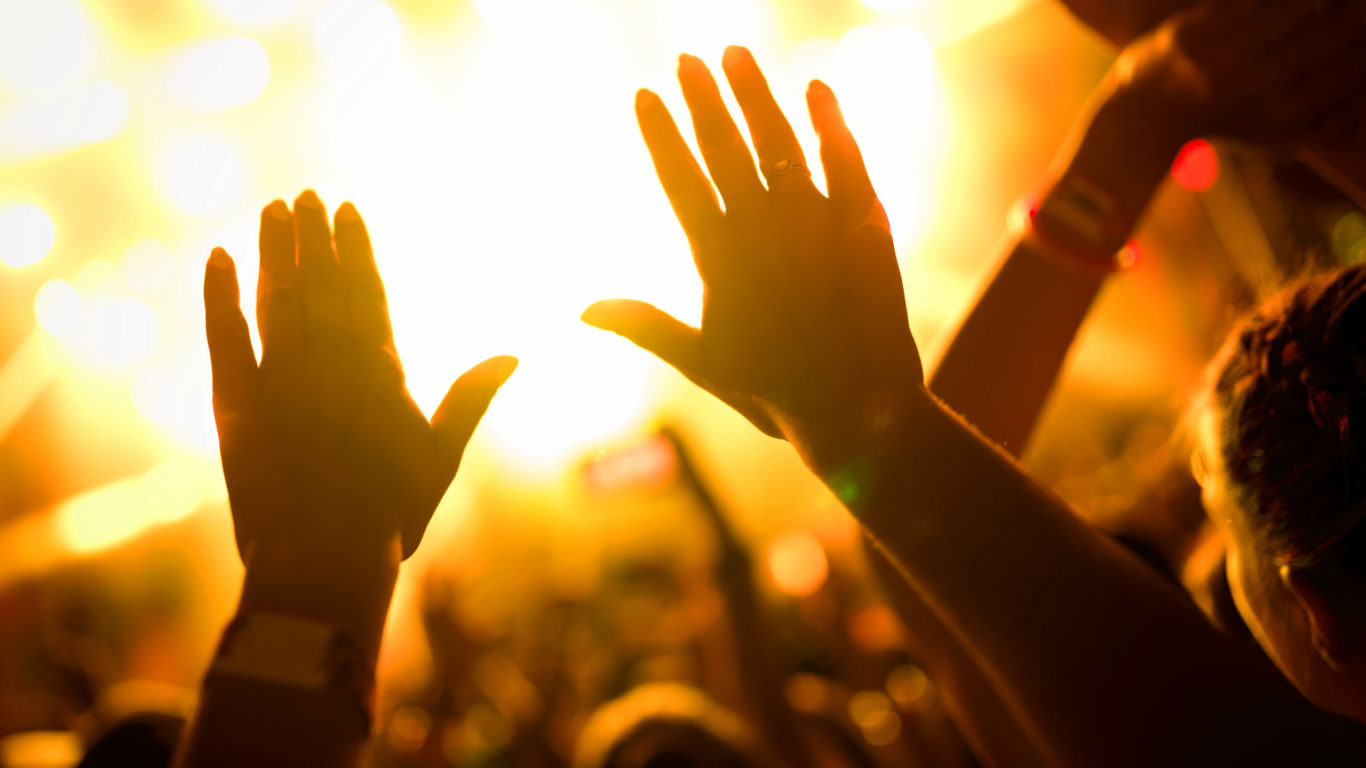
(219, 74)
(94, 321)
(797, 563)
(26, 234)
(255, 13)
(1197, 166)
(64, 119)
(45, 44)
(872, 712)
(57, 307)
(203, 174)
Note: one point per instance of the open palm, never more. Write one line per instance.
(322, 446)
(804, 319)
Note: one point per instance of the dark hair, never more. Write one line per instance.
(1289, 403)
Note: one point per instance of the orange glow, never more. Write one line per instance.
(797, 562)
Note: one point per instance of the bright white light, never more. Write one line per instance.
(119, 331)
(147, 267)
(45, 43)
(119, 512)
(357, 36)
(64, 119)
(893, 97)
(705, 27)
(891, 5)
(178, 400)
(523, 12)
(220, 73)
(26, 234)
(255, 13)
(203, 174)
(94, 322)
(58, 309)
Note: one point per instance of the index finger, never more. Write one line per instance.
(689, 192)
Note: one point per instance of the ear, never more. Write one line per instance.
(1337, 634)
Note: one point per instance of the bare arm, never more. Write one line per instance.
(804, 331)
(1265, 77)
(995, 733)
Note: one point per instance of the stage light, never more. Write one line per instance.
(797, 562)
(45, 44)
(872, 712)
(178, 399)
(255, 13)
(891, 5)
(892, 94)
(64, 119)
(119, 512)
(203, 174)
(147, 267)
(26, 234)
(57, 306)
(1197, 166)
(219, 74)
(357, 36)
(705, 27)
(910, 688)
(119, 331)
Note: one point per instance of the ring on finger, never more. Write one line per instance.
(785, 166)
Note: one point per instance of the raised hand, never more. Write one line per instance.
(804, 327)
(329, 462)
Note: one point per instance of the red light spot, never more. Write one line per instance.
(1196, 166)
(1130, 255)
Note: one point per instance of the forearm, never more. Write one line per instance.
(1000, 364)
(996, 734)
(1110, 665)
(248, 719)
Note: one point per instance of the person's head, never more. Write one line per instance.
(1283, 457)
(663, 725)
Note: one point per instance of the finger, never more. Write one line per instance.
(368, 308)
(723, 148)
(462, 408)
(774, 142)
(846, 177)
(651, 329)
(230, 352)
(689, 192)
(319, 273)
(279, 309)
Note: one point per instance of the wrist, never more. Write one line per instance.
(347, 586)
(845, 452)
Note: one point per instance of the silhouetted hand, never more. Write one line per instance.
(327, 458)
(1240, 69)
(804, 327)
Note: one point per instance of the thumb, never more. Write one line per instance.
(463, 407)
(649, 328)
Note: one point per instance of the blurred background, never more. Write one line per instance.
(490, 146)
